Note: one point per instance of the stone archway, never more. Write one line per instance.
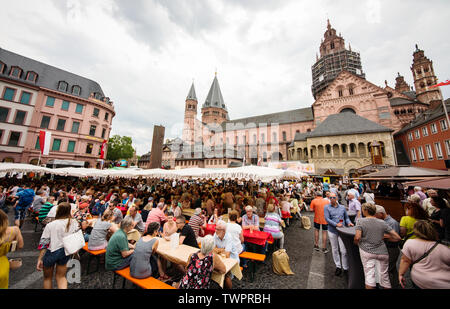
(351, 165)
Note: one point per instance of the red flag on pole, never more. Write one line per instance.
(102, 154)
(44, 142)
(446, 83)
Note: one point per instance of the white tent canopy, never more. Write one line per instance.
(255, 173)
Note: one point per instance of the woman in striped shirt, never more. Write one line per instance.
(273, 224)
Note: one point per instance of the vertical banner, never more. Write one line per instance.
(44, 142)
(103, 148)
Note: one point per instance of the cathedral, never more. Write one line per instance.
(350, 122)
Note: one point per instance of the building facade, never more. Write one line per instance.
(426, 140)
(36, 96)
(339, 86)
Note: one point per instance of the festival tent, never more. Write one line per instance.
(404, 173)
(264, 174)
(22, 168)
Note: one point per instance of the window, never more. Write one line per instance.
(332, 45)
(25, 97)
(341, 93)
(38, 145)
(421, 155)
(438, 148)
(61, 124)
(31, 77)
(4, 114)
(96, 112)
(45, 122)
(274, 137)
(106, 116)
(1, 136)
(92, 130)
(65, 105)
(50, 102)
(352, 148)
(79, 108)
(15, 72)
(14, 139)
(254, 138)
(284, 136)
(413, 154)
(425, 131)
(71, 146)
(103, 133)
(263, 138)
(76, 90)
(20, 117)
(62, 86)
(75, 127)
(56, 144)
(429, 152)
(328, 148)
(410, 136)
(417, 133)
(9, 94)
(433, 128)
(89, 148)
(444, 125)
(350, 91)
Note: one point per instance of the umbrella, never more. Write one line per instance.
(404, 173)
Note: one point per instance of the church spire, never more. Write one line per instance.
(191, 94)
(215, 98)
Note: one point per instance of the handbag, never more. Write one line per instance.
(73, 242)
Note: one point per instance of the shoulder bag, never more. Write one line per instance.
(73, 242)
(424, 255)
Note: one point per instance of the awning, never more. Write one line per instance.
(435, 183)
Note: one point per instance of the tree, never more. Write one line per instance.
(120, 147)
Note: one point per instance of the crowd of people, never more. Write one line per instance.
(129, 217)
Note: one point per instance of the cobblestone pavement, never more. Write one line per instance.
(312, 269)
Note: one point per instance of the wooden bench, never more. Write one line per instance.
(36, 223)
(95, 254)
(149, 283)
(253, 258)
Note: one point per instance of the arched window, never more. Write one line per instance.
(348, 110)
(62, 86)
(328, 149)
(31, 77)
(15, 72)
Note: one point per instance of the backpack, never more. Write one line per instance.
(280, 261)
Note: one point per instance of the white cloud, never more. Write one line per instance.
(145, 53)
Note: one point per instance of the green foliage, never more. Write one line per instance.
(120, 147)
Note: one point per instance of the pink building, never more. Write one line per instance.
(36, 96)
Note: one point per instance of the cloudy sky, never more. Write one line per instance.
(146, 53)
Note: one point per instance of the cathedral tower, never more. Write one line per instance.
(424, 77)
(190, 115)
(214, 109)
(401, 85)
(334, 58)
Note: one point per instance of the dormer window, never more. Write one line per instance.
(76, 90)
(31, 77)
(2, 67)
(98, 96)
(62, 86)
(15, 72)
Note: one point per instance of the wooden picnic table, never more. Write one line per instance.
(181, 255)
(256, 237)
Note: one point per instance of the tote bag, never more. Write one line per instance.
(73, 242)
(280, 261)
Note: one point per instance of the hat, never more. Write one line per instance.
(380, 209)
(83, 205)
(197, 211)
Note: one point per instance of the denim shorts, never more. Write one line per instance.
(57, 257)
(324, 226)
(19, 213)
